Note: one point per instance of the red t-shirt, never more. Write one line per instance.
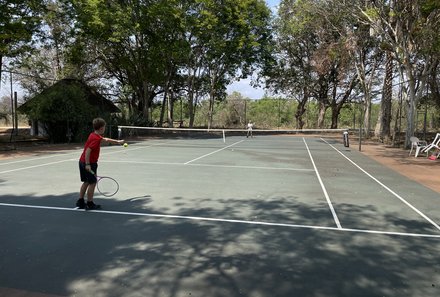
(94, 143)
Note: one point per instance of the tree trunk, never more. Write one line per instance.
(337, 106)
(335, 116)
(191, 109)
(170, 110)
(211, 100)
(191, 100)
(211, 108)
(383, 127)
(144, 98)
(367, 115)
(321, 115)
(1, 64)
(414, 97)
(162, 109)
(165, 103)
(410, 100)
(434, 84)
(323, 101)
(336, 111)
(300, 110)
(410, 110)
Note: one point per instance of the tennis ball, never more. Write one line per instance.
(125, 144)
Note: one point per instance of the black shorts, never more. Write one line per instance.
(87, 176)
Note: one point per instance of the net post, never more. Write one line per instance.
(119, 133)
(224, 137)
(345, 138)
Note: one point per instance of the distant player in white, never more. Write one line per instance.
(249, 129)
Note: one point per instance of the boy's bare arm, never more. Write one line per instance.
(111, 140)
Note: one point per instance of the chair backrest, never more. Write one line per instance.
(414, 141)
(436, 140)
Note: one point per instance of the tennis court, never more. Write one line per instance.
(272, 215)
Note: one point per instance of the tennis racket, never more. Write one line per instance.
(107, 186)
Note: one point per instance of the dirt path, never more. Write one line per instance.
(420, 169)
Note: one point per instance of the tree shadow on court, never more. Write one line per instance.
(81, 253)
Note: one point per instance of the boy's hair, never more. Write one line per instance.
(98, 123)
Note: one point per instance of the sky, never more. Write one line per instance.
(243, 86)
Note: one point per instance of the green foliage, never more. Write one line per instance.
(264, 113)
(270, 113)
(150, 45)
(19, 20)
(147, 47)
(139, 43)
(19, 23)
(428, 6)
(61, 109)
(59, 105)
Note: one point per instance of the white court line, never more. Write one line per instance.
(252, 167)
(65, 160)
(386, 187)
(36, 166)
(208, 165)
(213, 152)
(193, 218)
(39, 158)
(335, 217)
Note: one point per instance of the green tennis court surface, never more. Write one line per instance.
(263, 216)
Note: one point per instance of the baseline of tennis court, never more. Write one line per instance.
(262, 216)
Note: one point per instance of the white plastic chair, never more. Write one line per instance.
(417, 145)
(435, 144)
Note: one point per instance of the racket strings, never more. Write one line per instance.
(107, 186)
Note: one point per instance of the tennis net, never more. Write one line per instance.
(139, 133)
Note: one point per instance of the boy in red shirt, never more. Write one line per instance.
(88, 163)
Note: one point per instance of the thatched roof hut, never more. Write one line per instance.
(92, 96)
(65, 110)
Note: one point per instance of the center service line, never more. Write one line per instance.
(335, 217)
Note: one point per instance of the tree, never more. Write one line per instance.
(5, 107)
(311, 57)
(50, 59)
(134, 42)
(19, 22)
(150, 46)
(410, 34)
(336, 79)
(292, 73)
(383, 127)
(234, 111)
(229, 37)
(367, 58)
